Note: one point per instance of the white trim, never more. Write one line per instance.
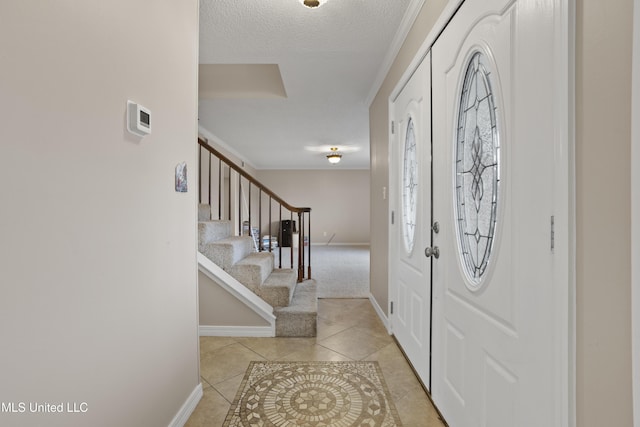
(237, 331)
(396, 44)
(187, 408)
(635, 215)
(564, 209)
(210, 137)
(237, 289)
(381, 315)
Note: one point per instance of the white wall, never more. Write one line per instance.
(98, 273)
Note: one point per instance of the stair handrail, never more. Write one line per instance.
(301, 211)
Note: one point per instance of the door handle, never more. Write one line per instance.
(432, 252)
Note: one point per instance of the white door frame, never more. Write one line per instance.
(564, 197)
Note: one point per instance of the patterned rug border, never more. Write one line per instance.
(232, 415)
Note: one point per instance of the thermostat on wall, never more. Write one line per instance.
(138, 119)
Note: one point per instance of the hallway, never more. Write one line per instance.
(348, 329)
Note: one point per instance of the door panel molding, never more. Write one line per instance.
(527, 305)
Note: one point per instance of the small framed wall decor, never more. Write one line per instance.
(181, 177)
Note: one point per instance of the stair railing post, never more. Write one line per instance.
(259, 220)
(219, 189)
(309, 249)
(280, 237)
(300, 248)
(270, 231)
(229, 195)
(291, 239)
(239, 205)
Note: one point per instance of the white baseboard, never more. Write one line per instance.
(237, 331)
(187, 408)
(381, 315)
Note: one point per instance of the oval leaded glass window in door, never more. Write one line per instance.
(477, 169)
(409, 187)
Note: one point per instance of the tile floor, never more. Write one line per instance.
(348, 329)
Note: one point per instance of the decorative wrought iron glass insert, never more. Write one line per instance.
(477, 166)
(409, 187)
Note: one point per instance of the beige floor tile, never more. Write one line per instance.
(341, 311)
(347, 330)
(329, 306)
(316, 353)
(327, 328)
(229, 388)
(211, 410)
(371, 320)
(226, 362)
(389, 353)
(356, 343)
(397, 373)
(276, 348)
(208, 344)
(417, 411)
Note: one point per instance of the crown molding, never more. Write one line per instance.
(405, 26)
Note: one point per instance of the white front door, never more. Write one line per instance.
(410, 233)
(497, 359)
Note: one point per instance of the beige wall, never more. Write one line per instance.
(98, 253)
(635, 216)
(223, 148)
(603, 136)
(339, 200)
(379, 134)
(219, 308)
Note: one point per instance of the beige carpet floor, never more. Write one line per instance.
(340, 271)
(313, 394)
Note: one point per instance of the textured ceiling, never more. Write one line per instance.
(329, 59)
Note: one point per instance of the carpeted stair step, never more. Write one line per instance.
(227, 252)
(278, 289)
(253, 269)
(212, 231)
(299, 319)
(204, 212)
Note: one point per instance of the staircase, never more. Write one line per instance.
(294, 303)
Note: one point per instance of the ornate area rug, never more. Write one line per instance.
(340, 394)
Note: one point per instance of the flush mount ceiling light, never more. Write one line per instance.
(334, 157)
(313, 3)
